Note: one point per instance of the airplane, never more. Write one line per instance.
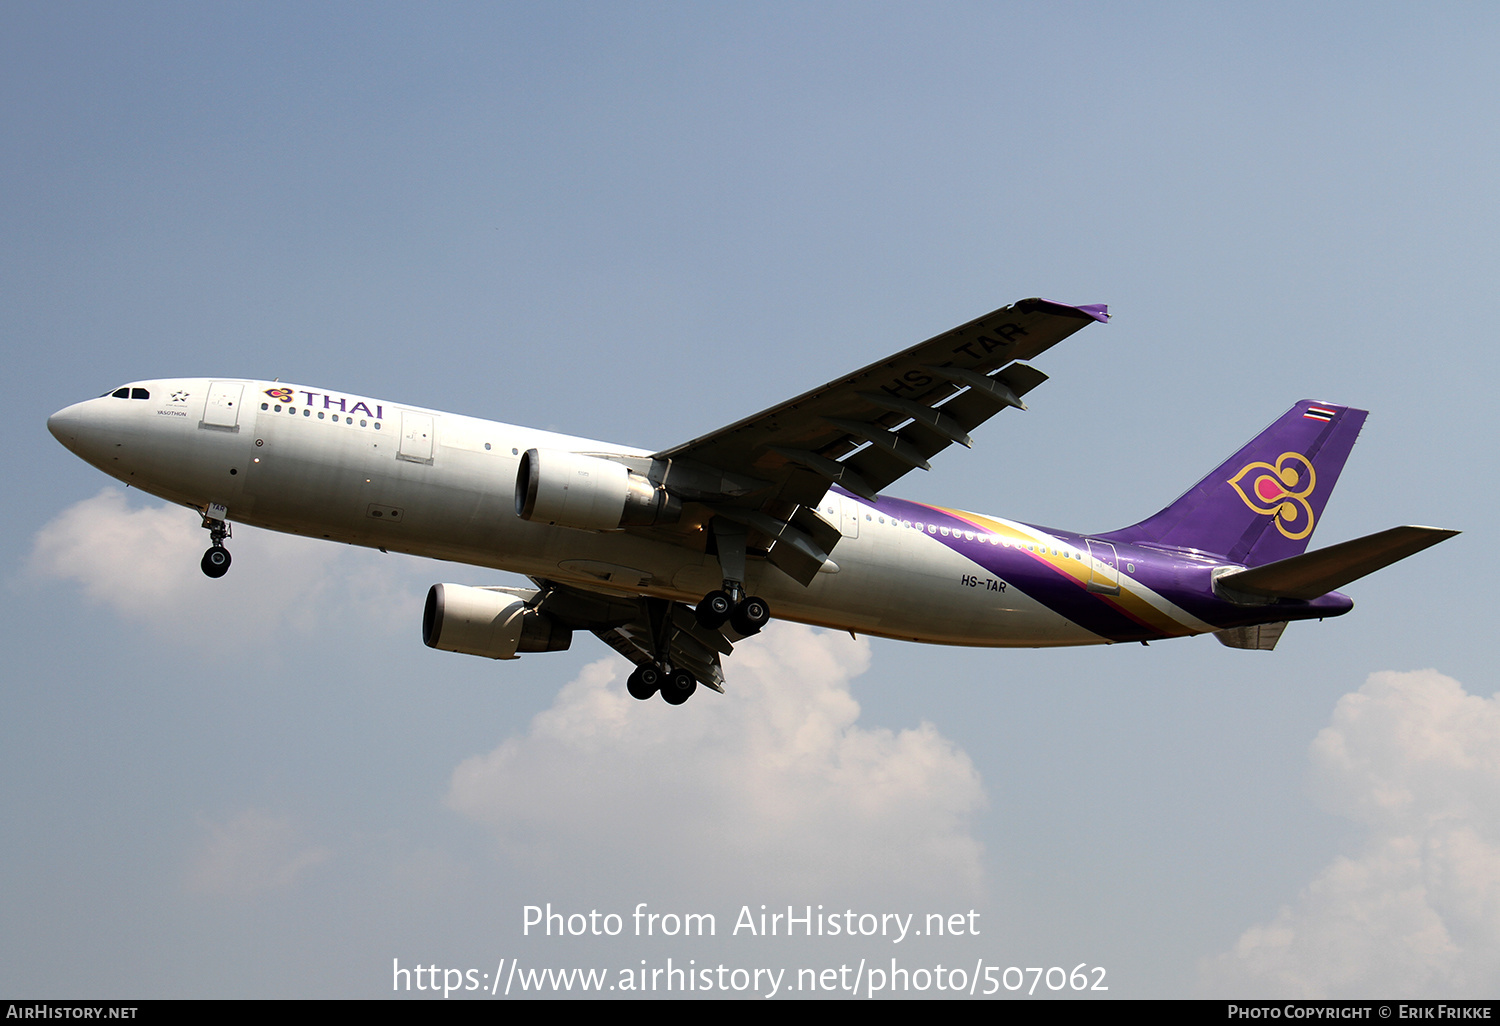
(671, 556)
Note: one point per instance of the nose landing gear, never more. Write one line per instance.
(215, 561)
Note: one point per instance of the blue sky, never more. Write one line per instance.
(641, 222)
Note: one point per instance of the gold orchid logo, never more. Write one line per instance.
(1280, 490)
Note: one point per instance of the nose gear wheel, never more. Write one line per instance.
(215, 562)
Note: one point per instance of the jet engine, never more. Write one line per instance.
(568, 489)
(488, 622)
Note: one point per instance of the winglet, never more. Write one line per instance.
(1097, 311)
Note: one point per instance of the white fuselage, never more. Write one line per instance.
(400, 478)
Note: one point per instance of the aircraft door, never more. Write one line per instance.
(849, 517)
(840, 512)
(416, 437)
(1104, 568)
(222, 409)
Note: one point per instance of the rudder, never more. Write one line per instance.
(1262, 503)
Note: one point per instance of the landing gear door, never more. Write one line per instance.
(416, 437)
(222, 409)
(1104, 568)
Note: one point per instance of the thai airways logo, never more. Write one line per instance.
(283, 395)
(1281, 491)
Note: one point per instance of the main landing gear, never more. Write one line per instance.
(746, 615)
(676, 686)
(215, 561)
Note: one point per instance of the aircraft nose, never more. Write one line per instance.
(83, 428)
(65, 424)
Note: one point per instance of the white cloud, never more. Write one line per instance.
(1416, 759)
(253, 853)
(770, 789)
(142, 561)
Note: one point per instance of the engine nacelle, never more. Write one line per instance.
(487, 622)
(568, 489)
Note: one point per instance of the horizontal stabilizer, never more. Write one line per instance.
(1317, 573)
(1260, 636)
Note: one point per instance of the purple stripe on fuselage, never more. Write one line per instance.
(1184, 580)
(1018, 568)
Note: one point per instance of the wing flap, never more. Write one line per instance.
(967, 409)
(634, 643)
(626, 625)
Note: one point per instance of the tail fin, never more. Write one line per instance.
(1262, 503)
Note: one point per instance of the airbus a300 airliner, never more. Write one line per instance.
(671, 556)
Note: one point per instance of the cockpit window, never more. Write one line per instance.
(129, 393)
(139, 393)
(121, 393)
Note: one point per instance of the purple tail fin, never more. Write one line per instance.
(1262, 503)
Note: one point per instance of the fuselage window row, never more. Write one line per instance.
(307, 412)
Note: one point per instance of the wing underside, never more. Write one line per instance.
(644, 630)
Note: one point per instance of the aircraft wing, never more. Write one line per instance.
(643, 630)
(867, 429)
